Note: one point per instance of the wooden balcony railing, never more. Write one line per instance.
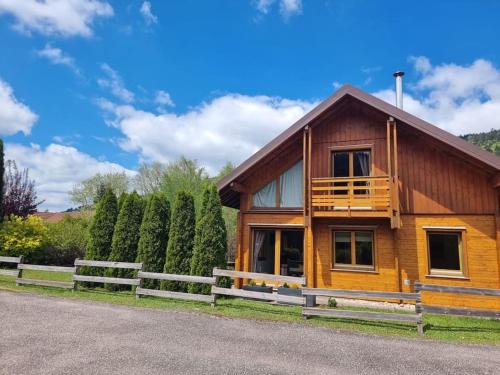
(351, 196)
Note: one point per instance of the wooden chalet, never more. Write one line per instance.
(359, 194)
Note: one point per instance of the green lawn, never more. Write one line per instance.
(438, 327)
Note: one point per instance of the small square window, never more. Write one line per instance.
(445, 252)
(353, 249)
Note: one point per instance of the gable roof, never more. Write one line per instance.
(467, 148)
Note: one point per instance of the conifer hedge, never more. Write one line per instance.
(180, 244)
(154, 237)
(125, 238)
(210, 245)
(101, 233)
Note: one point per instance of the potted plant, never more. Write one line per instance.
(287, 291)
(253, 287)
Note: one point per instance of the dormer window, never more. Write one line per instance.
(286, 191)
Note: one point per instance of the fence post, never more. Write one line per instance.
(418, 309)
(77, 270)
(138, 296)
(20, 271)
(214, 303)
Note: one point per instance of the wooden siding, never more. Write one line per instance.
(481, 257)
(433, 179)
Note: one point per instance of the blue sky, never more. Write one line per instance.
(92, 86)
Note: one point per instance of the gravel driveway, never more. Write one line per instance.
(46, 335)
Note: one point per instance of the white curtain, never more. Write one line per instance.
(257, 246)
(291, 190)
(364, 162)
(266, 197)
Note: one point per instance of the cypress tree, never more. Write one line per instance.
(125, 237)
(154, 237)
(180, 243)
(121, 199)
(2, 192)
(101, 232)
(210, 245)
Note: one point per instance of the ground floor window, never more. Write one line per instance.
(278, 251)
(445, 252)
(353, 249)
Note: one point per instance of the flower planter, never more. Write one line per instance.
(294, 292)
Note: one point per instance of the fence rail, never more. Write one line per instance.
(310, 310)
(104, 279)
(433, 288)
(40, 282)
(179, 295)
(15, 260)
(280, 298)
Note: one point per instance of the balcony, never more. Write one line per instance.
(351, 197)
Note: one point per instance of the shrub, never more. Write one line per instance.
(180, 244)
(67, 240)
(101, 232)
(125, 238)
(332, 302)
(22, 236)
(285, 285)
(154, 237)
(210, 245)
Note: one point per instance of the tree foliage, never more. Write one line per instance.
(180, 244)
(489, 141)
(126, 237)
(22, 236)
(154, 237)
(88, 192)
(20, 195)
(210, 244)
(101, 232)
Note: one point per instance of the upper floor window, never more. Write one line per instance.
(354, 163)
(284, 191)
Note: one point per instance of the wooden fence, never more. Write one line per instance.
(12, 260)
(179, 295)
(35, 267)
(103, 279)
(310, 310)
(419, 288)
(280, 298)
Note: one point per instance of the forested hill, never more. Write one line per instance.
(489, 141)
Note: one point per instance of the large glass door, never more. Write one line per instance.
(278, 251)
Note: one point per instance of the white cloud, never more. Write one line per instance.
(56, 169)
(229, 128)
(336, 85)
(458, 98)
(115, 84)
(264, 6)
(287, 8)
(163, 99)
(14, 115)
(58, 57)
(147, 14)
(56, 17)
(290, 8)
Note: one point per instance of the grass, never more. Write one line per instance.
(438, 327)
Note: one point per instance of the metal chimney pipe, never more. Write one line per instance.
(399, 88)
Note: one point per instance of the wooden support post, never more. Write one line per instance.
(277, 252)
(395, 191)
(214, 303)
(238, 264)
(77, 272)
(20, 271)
(141, 281)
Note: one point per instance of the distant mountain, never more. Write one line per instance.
(489, 141)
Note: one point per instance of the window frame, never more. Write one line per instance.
(351, 149)
(277, 243)
(277, 205)
(353, 266)
(439, 272)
